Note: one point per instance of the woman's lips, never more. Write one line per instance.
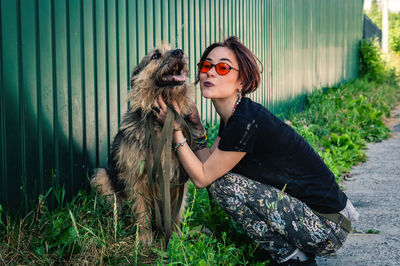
(208, 84)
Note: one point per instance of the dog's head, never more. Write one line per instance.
(164, 71)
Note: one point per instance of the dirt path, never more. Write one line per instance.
(374, 190)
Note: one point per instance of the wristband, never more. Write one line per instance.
(200, 139)
(180, 144)
(204, 135)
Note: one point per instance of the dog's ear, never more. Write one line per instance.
(136, 71)
(145, 61)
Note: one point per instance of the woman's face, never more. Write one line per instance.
(215, 86)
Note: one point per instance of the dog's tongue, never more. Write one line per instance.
(176, 77)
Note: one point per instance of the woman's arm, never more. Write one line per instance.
(201, 173)
(205, 166)
(205, 153)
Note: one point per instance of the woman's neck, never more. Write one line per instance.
(224, 107)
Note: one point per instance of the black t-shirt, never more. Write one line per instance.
(277, 155)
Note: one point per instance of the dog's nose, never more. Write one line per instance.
(178, 53)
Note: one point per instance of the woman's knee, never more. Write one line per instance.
(219, 188)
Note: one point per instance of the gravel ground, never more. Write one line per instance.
(374, 190)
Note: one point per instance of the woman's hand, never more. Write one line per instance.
(160, 110)
(194, 119)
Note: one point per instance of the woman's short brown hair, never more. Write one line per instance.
(249, 71)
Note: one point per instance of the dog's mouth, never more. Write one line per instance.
(173, 76)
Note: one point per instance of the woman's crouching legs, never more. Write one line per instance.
(278, 222)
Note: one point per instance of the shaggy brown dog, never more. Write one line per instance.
(163, 71)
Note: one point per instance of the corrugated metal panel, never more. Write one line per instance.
(65, 66)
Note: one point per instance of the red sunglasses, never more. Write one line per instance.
(220, 68)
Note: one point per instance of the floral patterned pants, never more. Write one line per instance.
(276, 221)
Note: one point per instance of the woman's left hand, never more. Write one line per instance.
(160, 110)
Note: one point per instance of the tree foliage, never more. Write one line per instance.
(375, 14)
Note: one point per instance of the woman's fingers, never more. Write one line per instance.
(157, 111)
(163, 109)
(155, 106)
(160, 108)
(162, 104)
(194, 117)
(176, 107)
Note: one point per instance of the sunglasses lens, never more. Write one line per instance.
(205, 66)
(222, 68)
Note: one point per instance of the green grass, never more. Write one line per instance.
(87, 230)
(339, 122)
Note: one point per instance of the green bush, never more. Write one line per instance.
(371, 64)
(339, 122)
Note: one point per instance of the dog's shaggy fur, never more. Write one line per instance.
(163, 71)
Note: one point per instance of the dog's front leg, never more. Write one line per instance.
(143, 202)
(143, 217)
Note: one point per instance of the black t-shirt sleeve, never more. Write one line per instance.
(240, 134)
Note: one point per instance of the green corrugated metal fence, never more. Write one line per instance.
(65, 65)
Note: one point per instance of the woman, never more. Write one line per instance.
(254, 157)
